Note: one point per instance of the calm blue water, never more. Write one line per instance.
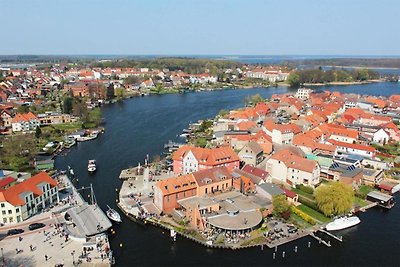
(141, 126)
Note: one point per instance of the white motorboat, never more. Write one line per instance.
(113, 215)
(91, 165)
(342, 223)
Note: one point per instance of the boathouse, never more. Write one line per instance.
(383, 200)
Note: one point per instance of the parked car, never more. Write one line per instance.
(35, 226)
(15, 231)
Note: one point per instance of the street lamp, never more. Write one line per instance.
(73, 256)
(2, 256)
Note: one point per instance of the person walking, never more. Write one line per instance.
(46, 257)
(30, 246)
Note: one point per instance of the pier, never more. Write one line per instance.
(320, 240)
(340, 239)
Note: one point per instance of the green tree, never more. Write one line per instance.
(110, 92)
(67, 105)
(131, 80)
(95, 116)
(334, 198)
(38, 132)
(294, 79)
(257, 98)
(17, 152)
(201, 142)
(280, 204)
(79, 108)
(120, 93)
(362, 75)
(23, 109)
(223, 113)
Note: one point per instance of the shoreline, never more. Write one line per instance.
(361, 67)
(343, 83)
(166, 223)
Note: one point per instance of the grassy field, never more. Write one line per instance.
(360, 202)
(297, 220)
(313, 213)
(302, 193)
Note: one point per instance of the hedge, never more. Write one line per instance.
(303, 215)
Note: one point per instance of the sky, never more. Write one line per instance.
(200, 27)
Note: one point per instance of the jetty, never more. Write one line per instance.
(320, 240)
(340, 239)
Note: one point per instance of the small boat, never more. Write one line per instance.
(113, 215)
(91, 165)
(342, 223)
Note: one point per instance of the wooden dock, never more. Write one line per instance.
(332, 235)
(320, 240)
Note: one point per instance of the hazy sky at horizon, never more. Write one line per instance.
(201, 27)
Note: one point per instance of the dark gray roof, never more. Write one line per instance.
(272, 189)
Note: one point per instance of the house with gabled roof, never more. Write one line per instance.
(24, 122)
(188, 159)
(21, 201)
(286, 167)
(251, 154)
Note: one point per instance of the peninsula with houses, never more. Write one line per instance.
(272, 172)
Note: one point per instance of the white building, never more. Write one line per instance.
(286, 167)
(303, 93)
(381, 136)
(24, 122)
(23, 200)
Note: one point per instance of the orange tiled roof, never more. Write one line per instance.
(246, 125)
(24, 117)
(176, 184)
(212, 175)
(293, 161)
(270, 125)
(207, 156)
(354, 146)
(12, 194)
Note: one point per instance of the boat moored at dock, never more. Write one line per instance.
(342, 223)
(113, 215)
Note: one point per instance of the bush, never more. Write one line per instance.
(307, 202)
(305, 189)
(303, 215)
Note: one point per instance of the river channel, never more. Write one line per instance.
(141, 126)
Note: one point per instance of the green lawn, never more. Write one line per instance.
(297, 220)
(360, 202)
(302, 193)
(313, 213)
(68, 126)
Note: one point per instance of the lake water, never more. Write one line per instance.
(141, 126)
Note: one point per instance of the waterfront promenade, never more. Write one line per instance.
(56, 241)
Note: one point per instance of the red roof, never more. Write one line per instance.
(255, 171)
(12, 194)
(354, 146)
(289, 193)
(6, 181)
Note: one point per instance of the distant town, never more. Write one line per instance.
(272, 172)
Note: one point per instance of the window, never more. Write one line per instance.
(9, 211)
(17, 210)
(2, 205)
(3, 212)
